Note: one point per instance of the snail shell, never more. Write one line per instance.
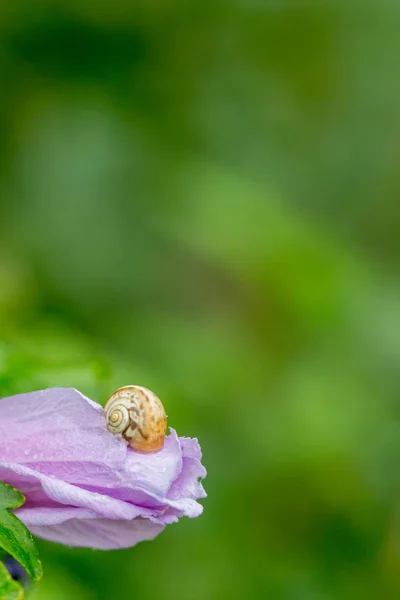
(139, 416)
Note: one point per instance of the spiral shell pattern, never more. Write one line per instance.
(139, 416)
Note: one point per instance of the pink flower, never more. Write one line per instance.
(85, 486)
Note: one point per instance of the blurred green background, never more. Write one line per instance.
(202, 198)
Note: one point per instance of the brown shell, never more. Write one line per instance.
(139, 416)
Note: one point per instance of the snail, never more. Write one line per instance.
(139, 416)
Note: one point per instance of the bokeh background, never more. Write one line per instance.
(203, 198)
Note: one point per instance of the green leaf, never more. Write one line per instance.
(9, 589)
(14, 536)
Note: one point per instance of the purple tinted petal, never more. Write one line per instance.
(187, 485)
(40, 516)
(153, 473)
(84, 486)
(178, 508)
(61, 430)
(99, 533)
(166, 479)
(144, 479)
(71, 495)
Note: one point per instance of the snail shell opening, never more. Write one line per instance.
(139, 416)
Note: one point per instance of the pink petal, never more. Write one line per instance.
(70, 495)
(61, 429)
(99, 533)
(85, 486)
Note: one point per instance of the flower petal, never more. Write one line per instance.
(42, 516)
(187, 485)
(62, 430)
(155, 472)
(99, 533)
(71, 495)
(85, 486)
